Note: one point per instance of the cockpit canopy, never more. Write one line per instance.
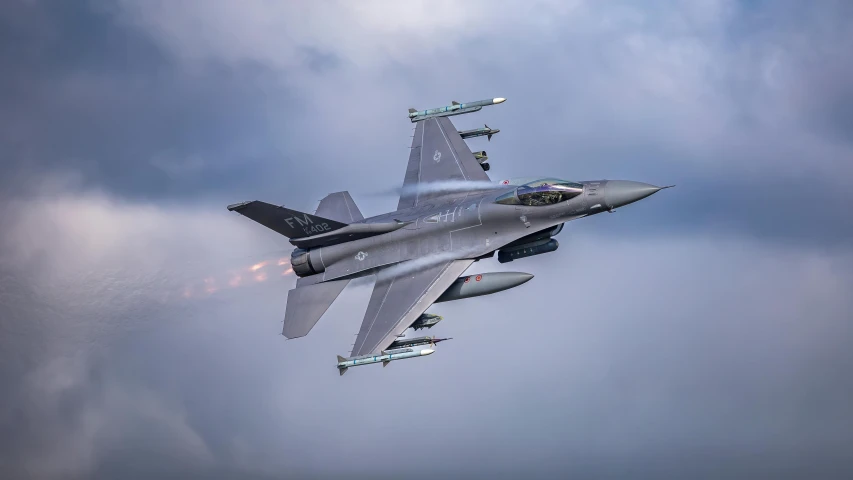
(546, 191)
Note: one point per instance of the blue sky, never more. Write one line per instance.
(703, 332)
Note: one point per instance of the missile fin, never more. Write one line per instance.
(412, 110)
(342, 371)
(385, 363)
(341, 359)
(454, 102)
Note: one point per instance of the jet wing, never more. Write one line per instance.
(399, 299)
(438, 155)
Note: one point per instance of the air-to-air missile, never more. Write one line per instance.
(386, 357)
(479, 132)
(414, 342)
(426, 320)
(455, 108)
(482, 284)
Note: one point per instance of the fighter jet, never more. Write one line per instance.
(450, 214)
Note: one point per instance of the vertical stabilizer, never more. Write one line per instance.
(339, 206)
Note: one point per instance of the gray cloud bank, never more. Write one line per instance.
(701, 333)
(667, 354)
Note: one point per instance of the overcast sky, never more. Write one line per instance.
(704, 332)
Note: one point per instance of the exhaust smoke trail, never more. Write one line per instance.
(449, 186)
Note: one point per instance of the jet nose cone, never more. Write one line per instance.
(618, 193)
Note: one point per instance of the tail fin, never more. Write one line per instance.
(341, 370)
(339, 206)
(290, 223)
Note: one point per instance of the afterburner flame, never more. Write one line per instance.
(252, 274)
(210, 285)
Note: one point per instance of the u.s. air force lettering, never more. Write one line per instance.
(308, 226)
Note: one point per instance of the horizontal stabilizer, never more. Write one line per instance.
(305, 306)
(339, 207)
(290, 223)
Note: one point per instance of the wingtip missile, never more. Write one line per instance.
(455, 108)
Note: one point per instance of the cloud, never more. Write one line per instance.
(701, 330)
(84, 272)
(681, 76)
(78, 420)
(621, 347)
(95, 251)
(284, 35)
(714, 96)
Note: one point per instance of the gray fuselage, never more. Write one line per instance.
(463, 226)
